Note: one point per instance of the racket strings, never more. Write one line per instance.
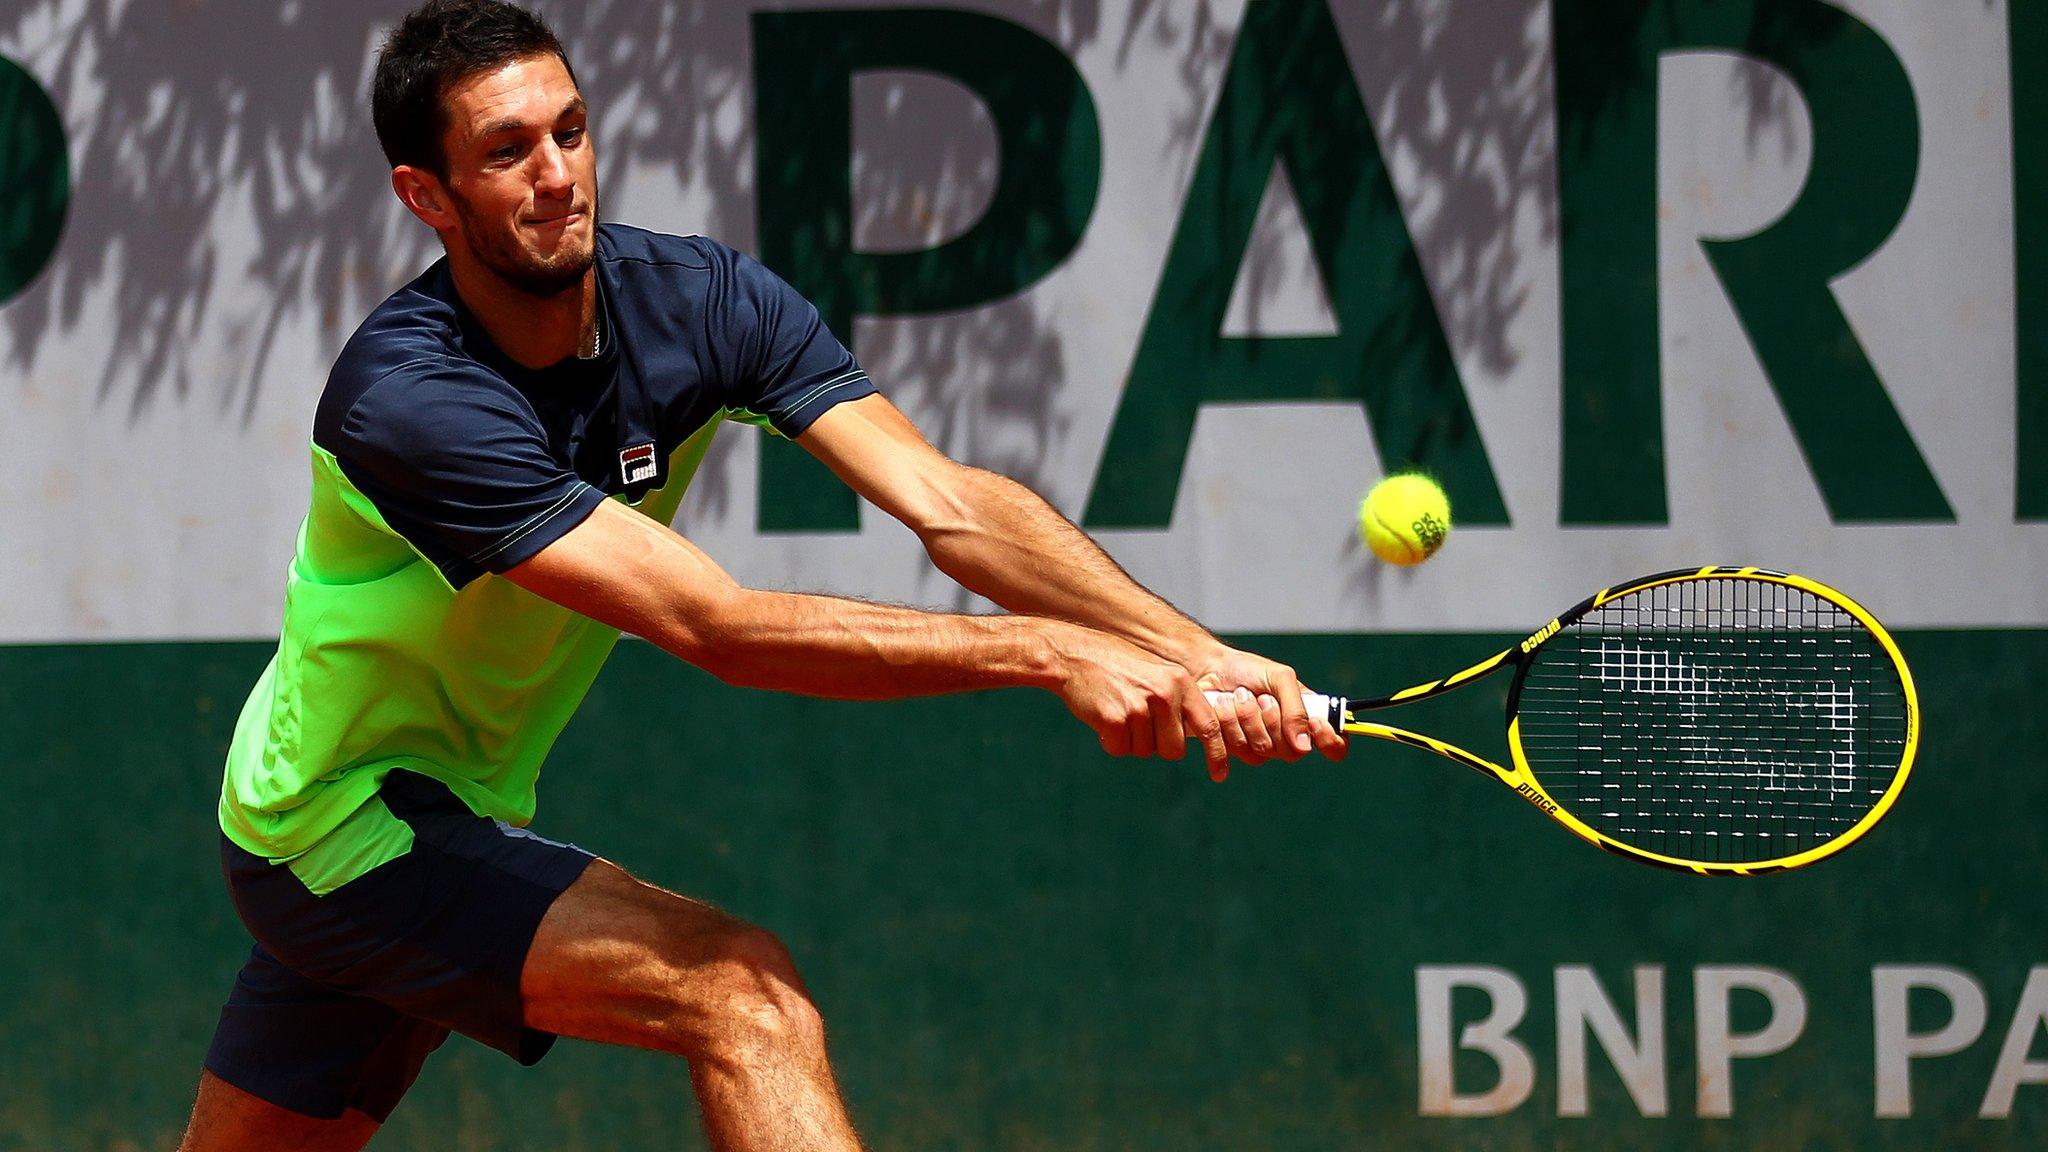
(1721, 720)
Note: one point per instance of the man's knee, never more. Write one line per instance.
(750, 1005)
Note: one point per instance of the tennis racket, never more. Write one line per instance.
(1722, 721)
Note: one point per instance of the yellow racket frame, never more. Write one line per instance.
(1523, 781)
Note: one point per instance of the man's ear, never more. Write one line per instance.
(424, 195)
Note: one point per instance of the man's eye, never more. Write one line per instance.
(570, 137)
(505, 153)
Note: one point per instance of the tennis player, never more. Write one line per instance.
(496, 459)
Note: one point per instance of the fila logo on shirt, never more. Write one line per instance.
(637, 463)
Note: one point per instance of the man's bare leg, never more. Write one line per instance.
(227, 1119)
(623, 962)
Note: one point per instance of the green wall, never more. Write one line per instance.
(1021, 944)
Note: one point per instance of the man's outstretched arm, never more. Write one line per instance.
(1001, 540)
(623, 569)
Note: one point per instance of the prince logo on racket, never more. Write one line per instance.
(1529, 792)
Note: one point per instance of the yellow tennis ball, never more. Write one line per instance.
(1405, 518)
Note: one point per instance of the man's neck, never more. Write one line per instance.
(534, 331)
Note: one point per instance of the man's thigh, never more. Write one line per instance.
(302, 1046)
(621, 961)
(347, 993)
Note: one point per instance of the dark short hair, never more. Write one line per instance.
(436, 46)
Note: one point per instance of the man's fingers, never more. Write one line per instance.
(1204, 725)
(1252, 719)
(1329, 741)
(1234, 737)
(1139, 724)
(1276, 726)
(1166, 730)
(1116, 738)
(1293, 717)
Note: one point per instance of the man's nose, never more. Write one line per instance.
(551, 176)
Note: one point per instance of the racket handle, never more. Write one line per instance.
(1330, 708)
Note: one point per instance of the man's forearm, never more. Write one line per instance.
(1009, 545)
(855, 650)
(639, 576)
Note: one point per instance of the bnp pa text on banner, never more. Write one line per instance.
(1470, 1015)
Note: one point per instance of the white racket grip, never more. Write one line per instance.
(1330, 709)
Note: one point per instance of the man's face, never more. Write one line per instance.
(522, 174)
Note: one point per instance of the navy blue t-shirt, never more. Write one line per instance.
(480, 463)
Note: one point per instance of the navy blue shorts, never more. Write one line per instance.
(345, 995)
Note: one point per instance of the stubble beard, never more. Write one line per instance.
(543, 278)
